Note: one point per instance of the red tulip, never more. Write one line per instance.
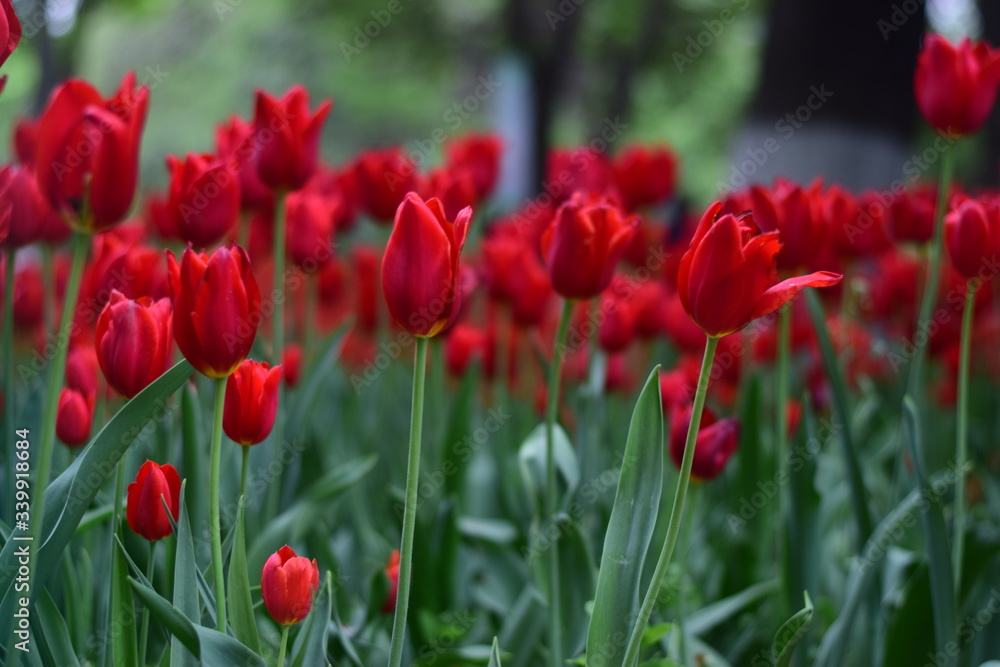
(288, 583)
(287, 137)
(972, 231)
(620, 316)
(216, 308)
(74, 417)
(383, 179)
(237, 141)
(204, 202)
(645, 175)
(366, 262)
(144, 511)
(465, 344)
(251, 402)
(583, 244)
(480, 154)
(133, 341)
(28, 208)
(571, 170)
(81, 370)
(392, 574)
(717, 440)
(25, 140)
(727, 276)
(87, 158)
(455, 187)
(956, 86)
(309, 235)
(795, 213)
(10, 30)
(291, 361)
(420, 273)
(912, 215)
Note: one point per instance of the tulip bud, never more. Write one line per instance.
(392, 574)
(10, 30)
(480, 155)
(583, 244)
(236, 141)
(81, 370)
(645, 175)
(287, 138)
(288, 583)
(28, 209)
(74, 417)
(309, 235)
(972, 231)
(133, 340)
(727, 277)
(956, 86)
(145, 512)
(383, 179)
(291, 361)
(251, 402)
(716, 442)
(204, 203)
(420, 272)
(216, 308)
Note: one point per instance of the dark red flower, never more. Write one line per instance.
(309, 228)
(287, 138)
(480, 155)
(383, 178)
(28, 209)
(154, 484)
(645, 175)
(237, 141)
(288, 584)
(133, 340)
(956, 86)
(74, 417)
(251, 402)
(972, 232)
(204, 201)
(717, 441)
(10, 30)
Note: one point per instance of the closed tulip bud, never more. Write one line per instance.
(583, 244)
(972, 232)
(154, 484)
(204, 202)
(795, 213)
(287, 138)
(420, 271)
(291, 361)
(309, 235)
(87, 157)
(10, 30)
(133, 339)
(480, 154)
(74, 417)
(645, 175)
(392, 575)
(727, 277)
(236, 141)
(81, 370)
(465, 344)
(455, 187)
(618, 327)
(216, 305)
(288, 584)
(956, 86)
(383, 179)
(717, 440)
(251, 402)
(28, 209)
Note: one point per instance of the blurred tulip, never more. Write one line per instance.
(154, 485)
(572, 170)
(237, 141)
(287, 138)
(795, 213)
(288, 584)
(81, 370)
(309, 229)
(10, 30)
(74, 417)
(26, 140)
(383, 179)
(251, 402)
(480, 155)
(133, 340)
(392, 575)
(956, 86)
(291, 361)
(645, 175)
(465, 344)
(216, 308)
(455, 187)
(28, 208)
(717, 441)
(620, 317)
(204, 202)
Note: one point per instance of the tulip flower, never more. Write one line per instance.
(309, 229)
(216, 308)
(956, 86)
(288, 584)
(727, 276)
(81, 370)
(204, 201)
(133, 339)
(287, 138)
(87, 157)
(717, 440)
(645, 175)
(583, 244)
(251, 402)
(455, 187)
(74, 417)
(620, 316)
(572, 170)
(480, 155)
(28, 208)
(10, 30)
(383, 179)
(466, 343)
(795, 213)
(392, 575)
(972, 232)
(291, 362)
(144, 511)
(236, 141)
(420, 272)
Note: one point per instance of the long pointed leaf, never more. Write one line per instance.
(241, 616)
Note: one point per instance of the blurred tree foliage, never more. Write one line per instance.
(679, 71)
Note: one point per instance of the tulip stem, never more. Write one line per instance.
(115, 523)
(781, 424)
(933, 275)
(410, 509)
(284, 645)
(144, 633)
(962, 437)
(243, 472)
(309, 324)
(551, 491)
(677, 510)
(213, 505)
(8, 379)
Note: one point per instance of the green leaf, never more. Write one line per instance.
(241, 616)
(54, 631)
(711, 616)
(124, 645)
(210, 646)
(310, 389)
(495, 654)
(523, 625)
(627, 540)
(936, 540)
(802, 537)
(195, 445)
(531, 459)
(310, 645)
(455, 459)
(185, 582)
(791, 633)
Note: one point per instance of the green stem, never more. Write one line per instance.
(243, 471)
(115, 524)
(309, 323)
(410, 509)
(781, 424)
(144, 633)
(284, 645)
(213, 506)
(933, 275)
(8, 379)
(81, 244)
(677, 511)
(279, 278)
(48, 287)
(962, 437)
(551, 491)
